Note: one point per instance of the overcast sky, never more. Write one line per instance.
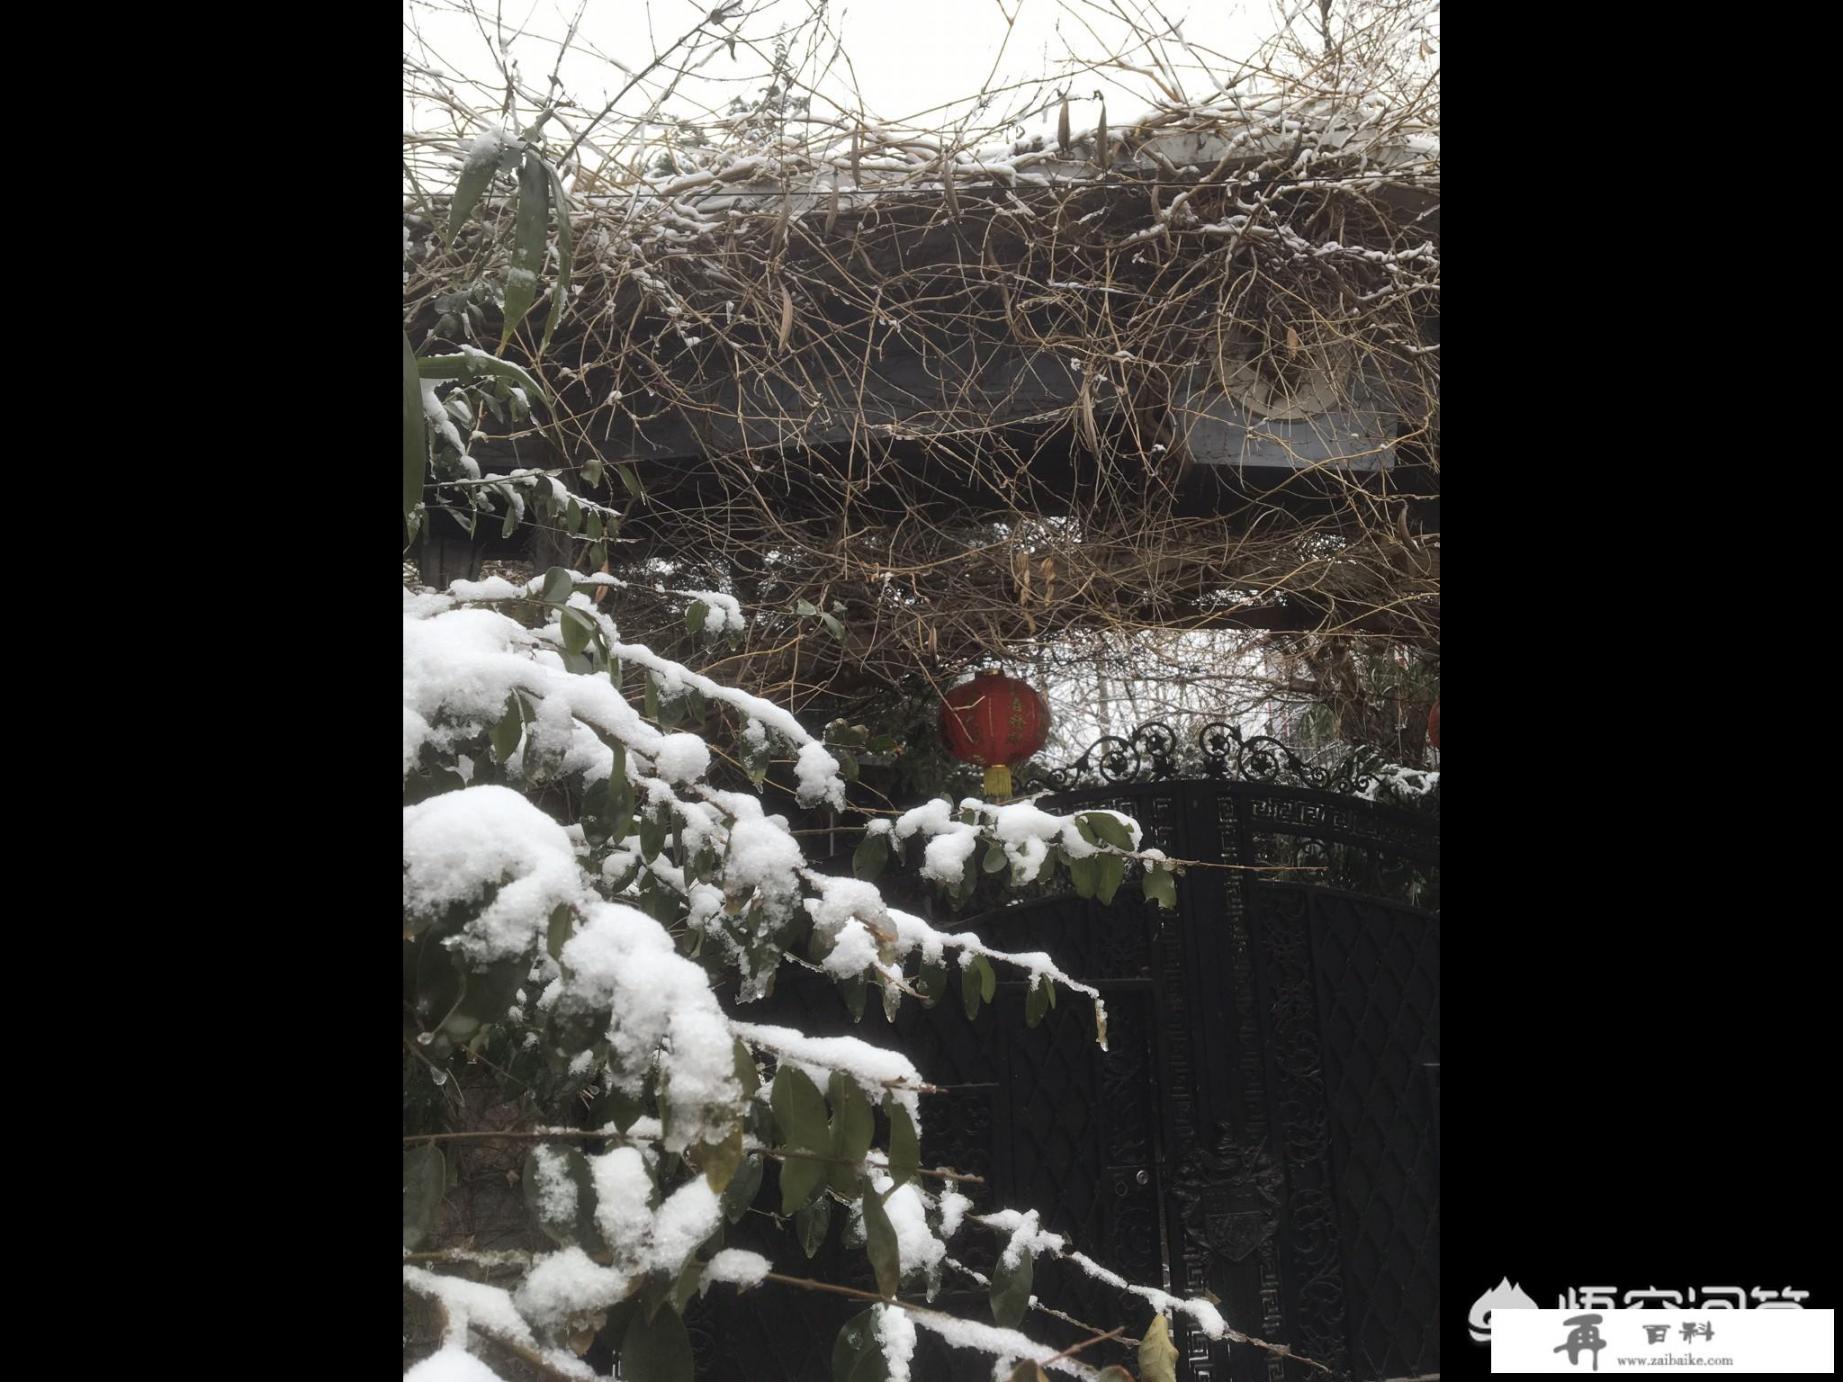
(910, 61)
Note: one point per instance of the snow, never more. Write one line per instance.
(623, 1196)
(740, 1268)
(471, 1304)
(953, 1211)
(623, 962)
(876, 1070)
(853, 952)
(451, 1365)
(763, 856)
(896, 1336)
(912, 932)
(853, 916)
(817, 773)
(726, 612)
(489, 849)
(849, 899)
(944, 859)
(681, 758)
(1006, 1344)
(919, 1250)
(1026, 1236)
(1208, 1317)
(690, 1215)
(490, 149)
(556, 1187)
(932, 817)
(567, 1283)
(458, 844)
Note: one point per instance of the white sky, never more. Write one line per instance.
(915, 62)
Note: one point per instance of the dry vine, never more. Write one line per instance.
(954, 389)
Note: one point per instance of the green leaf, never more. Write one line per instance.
(1027, 1371)
(652, 837)
(630, 478)
(566, 254)
(572, 516)
(510, 729)
(853, 1127)
(801, 1180)
(905, 1146)
(474, 364)
(988, 977)
(510, 526)
(857, 1355)
(1109, 869)
(1157, 1354)
(1110, 828)
(800, 1119)
(880, 1243)
(696, 615)
(562, 923)
(688, 1277)
(811, 1223)
(1159, 886)
(969, 990)
(578, 628)
(798, 1110)
(476, 176)
(558, 587)
(625, 1109)
(931, 983)
(657, 1350)
(1037, 1003)
(620, 792)
(872, 853)
(836, 629)
(740, 1193)
(1011, 1290)
(530, 238)
(1085, 874)
(415, 435)
(1114, 1373)
(425, 1179)
(995, 861)
(854, 991)
(720, 1160)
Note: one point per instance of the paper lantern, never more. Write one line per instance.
(994, 721)
(1433, 725)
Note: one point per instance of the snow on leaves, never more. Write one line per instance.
(600, 940)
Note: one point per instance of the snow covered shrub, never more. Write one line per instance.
(577, 890)
(579, 887)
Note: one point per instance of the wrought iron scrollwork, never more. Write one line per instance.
(1154, 752)
(1149, 754)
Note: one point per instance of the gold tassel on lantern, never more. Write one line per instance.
(997, 782)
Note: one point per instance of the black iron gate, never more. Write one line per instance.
(1263, 1126)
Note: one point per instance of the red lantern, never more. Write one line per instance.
(994, 721)
(1433, 725)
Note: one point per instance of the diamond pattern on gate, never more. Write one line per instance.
(1378, 975)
